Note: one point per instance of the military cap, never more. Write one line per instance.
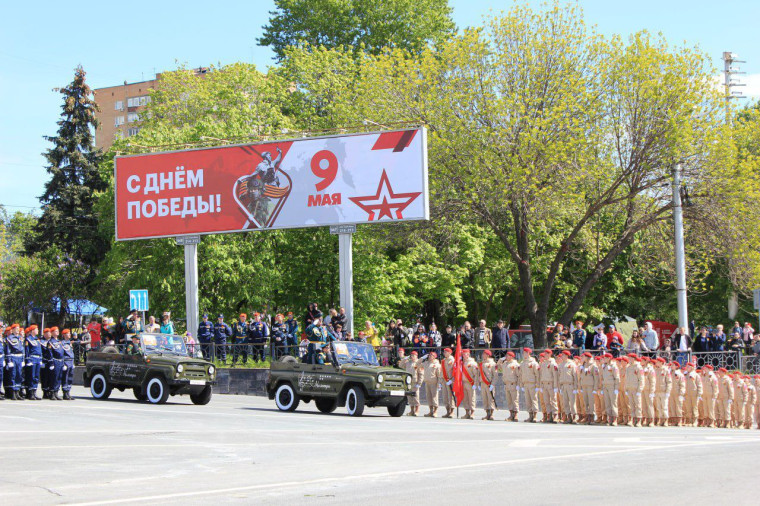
(220, 316)
(587, 354)
(243, 315)
(65, 331)
(448, 349)
(486, 353)
(511, 354)
(527, 350)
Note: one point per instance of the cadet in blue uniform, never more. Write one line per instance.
(291, 326)
(240, 335)
(47, 359)
(14, 360)
(2, 365)
(258, 332)
(279, 338)
(67, 372)
(222, 333)
(55, 368)
(205, 334)
(32, 362)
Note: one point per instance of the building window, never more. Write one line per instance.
(119, 105)
(132, 131)
(132, 117)
(118, 121)
(130, 102)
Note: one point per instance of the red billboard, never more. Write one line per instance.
(348, 179)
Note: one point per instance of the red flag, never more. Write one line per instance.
(457, 386)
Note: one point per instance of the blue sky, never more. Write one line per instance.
(132, 40)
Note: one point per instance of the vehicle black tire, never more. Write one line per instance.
(157, 391)
(99, 387)
(289, 359)
(325, 405)
(355, 401)
(286, 398)
(139, 395)
(109, 349)
(398, 409)
(203, 397)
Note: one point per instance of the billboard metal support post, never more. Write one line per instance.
(345, 244)
(191, 287)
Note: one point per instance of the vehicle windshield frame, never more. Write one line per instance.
(153, 349)
(354, 358)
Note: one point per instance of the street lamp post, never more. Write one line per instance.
(683, 312)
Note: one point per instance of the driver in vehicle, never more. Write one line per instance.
(133, 348)
(323, 357)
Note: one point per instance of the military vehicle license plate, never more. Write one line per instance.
(197, 382)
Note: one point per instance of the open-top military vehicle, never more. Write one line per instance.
(160, 367)
(346, 374)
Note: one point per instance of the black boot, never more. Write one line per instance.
(56, 397)
(17, 395)
(35, 397)
(67, 396)
(30, 395)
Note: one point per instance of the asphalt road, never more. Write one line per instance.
(240, 449)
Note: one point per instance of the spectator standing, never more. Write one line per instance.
(636, 344)
(499, 340)
(718, 341)
(167, 325)
(736, 328)
(579, 338)
(483, 335)
(448, 338)
(650, 337)
(152, 326)
(94, 329)
(747, 334)
(370, 334)
(340, 319)
(328, 320)
(600, 338)
(701, 343)
(400, 334)
(120, 331)
(614, 338)
(468, 336)
(435, 336)
(737, 342)
(312, 313)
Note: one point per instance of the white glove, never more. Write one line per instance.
(536, 389)
(439, 386)
(616, 392)
(730, 401)
(419, 385)
(575, 392)
(680, 398)
(651, 396)
(64, 367)
(449, 382)
(52, 367)
(699, 398)
(478, 387)
(10, 365)
(541, 390)
(638, 393)
(490, 388)
(23, 364)
(556, 390)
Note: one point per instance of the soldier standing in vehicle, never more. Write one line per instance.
(240, 339)
(486, 376)
(510, 376)
(529, 376)
(447, 378)
(205, 334)
(291, 329)
(469, 373)
(431, 375)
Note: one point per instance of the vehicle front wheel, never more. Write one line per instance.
(326, 405)
(203, 397)
(99, 387)
(398, 409)
(286, 398)
(355, 401)
(157, 390)
(139, 395)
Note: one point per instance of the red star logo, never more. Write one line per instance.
(385, 201)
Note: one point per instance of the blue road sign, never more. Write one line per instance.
(138, 299)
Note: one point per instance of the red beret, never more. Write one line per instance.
(15, 326)
(46, 330)
(448, 349)
(527, 350)
(637, 358)
(66, 331)
(436, 353)
(510, 354)
(414, 352)
(676, 365)
(542, 354)
(708, 367)
(597, 357)
(624, 359)
(488, 353)
(31, 328)
(587, 354)
(567, 352)
(607, 355)
(548, 351)
(722, 369)
(53, 329)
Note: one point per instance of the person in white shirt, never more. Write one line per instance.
(650, 337)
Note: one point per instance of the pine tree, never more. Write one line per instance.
(68, 219)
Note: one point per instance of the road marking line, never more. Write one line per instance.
(406, 472)
(524, 443)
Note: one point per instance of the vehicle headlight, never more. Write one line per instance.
(211, 369)
(408, 380)
(180, 368)
(380, 378)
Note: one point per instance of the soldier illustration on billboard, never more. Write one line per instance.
(260, 194)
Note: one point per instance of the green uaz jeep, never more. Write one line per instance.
(154, 367)
(346, 374)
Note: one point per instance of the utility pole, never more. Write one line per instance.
(683, 311)
(730, 69)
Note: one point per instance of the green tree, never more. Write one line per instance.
(67, 219)
(410, 25)
(15, 229)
